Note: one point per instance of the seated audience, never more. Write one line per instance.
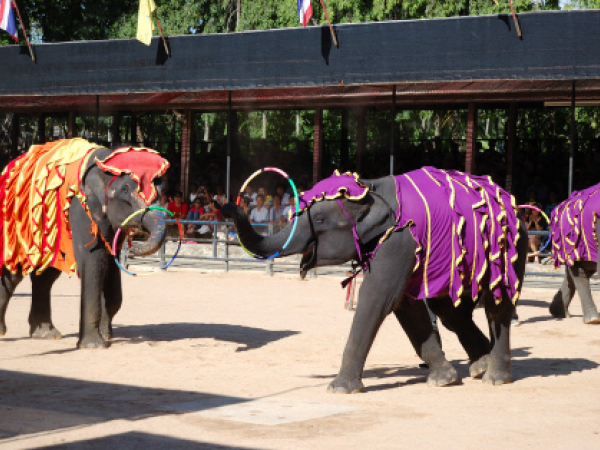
(260, 214)
(277, 210)
(178, 207)
(285, 197)
(535, 222)
(220, 195)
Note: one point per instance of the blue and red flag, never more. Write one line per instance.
(304, 11)
(7, 18)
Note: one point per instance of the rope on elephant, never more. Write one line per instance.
(126, 221)
(294, 222)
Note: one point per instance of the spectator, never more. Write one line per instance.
(194, 192)
(260, 214)
(164, 200)
(194, 213)
(251, 195)
(285, 197)
(177, 207)
(213, 213)
(277, 210)
(287, 211)
(245, 205)
(535, 222)
(553, 203)
(220, 195)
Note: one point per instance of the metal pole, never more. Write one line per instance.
(572, 149)
(392, 132)
(97, 115)
(229, 132)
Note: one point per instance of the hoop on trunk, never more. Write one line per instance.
(126, 221)
(296, 197)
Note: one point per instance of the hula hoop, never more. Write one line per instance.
(125, 222)
(241, 193)
(535, 208)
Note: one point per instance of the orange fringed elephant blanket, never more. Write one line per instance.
(35, 194)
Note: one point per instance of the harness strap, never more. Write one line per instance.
(354, 232)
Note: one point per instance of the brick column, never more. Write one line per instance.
(186, 142)
(41, 137)
(71, 126)
(344, 147)
(318, 145)
(14, 136)
(511, 145)
(471, 138)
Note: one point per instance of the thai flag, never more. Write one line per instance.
(7, 18)
(304, 11)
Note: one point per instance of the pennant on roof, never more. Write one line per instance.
(7, 18)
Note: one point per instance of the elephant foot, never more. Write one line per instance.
(106, 332)
(497, 376)
(442, 374)
(344, 386)
(558, 310)
(478, 367)
(2, 329)
(45, 331)
(92, 340)
(591, 318)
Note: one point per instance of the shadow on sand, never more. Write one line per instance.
(249, 338)
(137, 440)
(32, 403)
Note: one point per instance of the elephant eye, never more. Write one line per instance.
(126, 189)
(319, 219)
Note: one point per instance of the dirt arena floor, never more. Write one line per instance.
(242, 360)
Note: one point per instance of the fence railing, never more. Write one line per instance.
(222, 237)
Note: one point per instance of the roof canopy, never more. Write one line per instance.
(431, 62)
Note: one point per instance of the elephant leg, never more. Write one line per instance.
(559, 307)
(92, 263)
(459, 319)
(379, 295)
(416, 321)
(40, 315)
(581, 273)
(113, 298)
(499, 319)
(9, 283)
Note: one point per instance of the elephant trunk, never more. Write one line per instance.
(154, 222)
(252, 241)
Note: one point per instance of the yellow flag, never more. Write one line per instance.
(145, 24)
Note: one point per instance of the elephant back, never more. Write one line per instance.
(36, 190)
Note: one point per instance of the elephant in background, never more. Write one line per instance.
(341, 226)
(574, 234)
(97, 189)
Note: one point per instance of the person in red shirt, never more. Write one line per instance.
(178, 207)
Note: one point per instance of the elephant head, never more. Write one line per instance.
(335, 224)
(120, 182)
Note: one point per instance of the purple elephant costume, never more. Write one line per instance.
(465, 228)
(573, 227)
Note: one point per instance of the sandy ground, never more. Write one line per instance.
(242, 360)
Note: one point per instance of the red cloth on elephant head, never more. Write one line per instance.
(142, 164)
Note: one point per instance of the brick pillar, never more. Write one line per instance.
(471, 138)
(361, 138)
(186, 142)
(115, 130)
(344, 147)
(318, 145)
(511, 145)
(71, 126)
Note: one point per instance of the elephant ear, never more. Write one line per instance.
(93, 183)
(376, 212)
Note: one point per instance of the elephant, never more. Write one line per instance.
(62, 203)
(574, 236)
(373, 222)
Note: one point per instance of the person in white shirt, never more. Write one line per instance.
(251, 195)
(260, 214)
(287, 211)
(285, 197)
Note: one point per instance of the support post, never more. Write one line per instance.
(511, 145)
(41, 137)
(471, 138)
(361, 138)
(133, 130)
(344, 148)
(14, 136)
(318, 145)
(186, 140)
(393, 127)
(229, 136)
(573, 138)
(71, 130)
(115, 130)
(97, 116)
